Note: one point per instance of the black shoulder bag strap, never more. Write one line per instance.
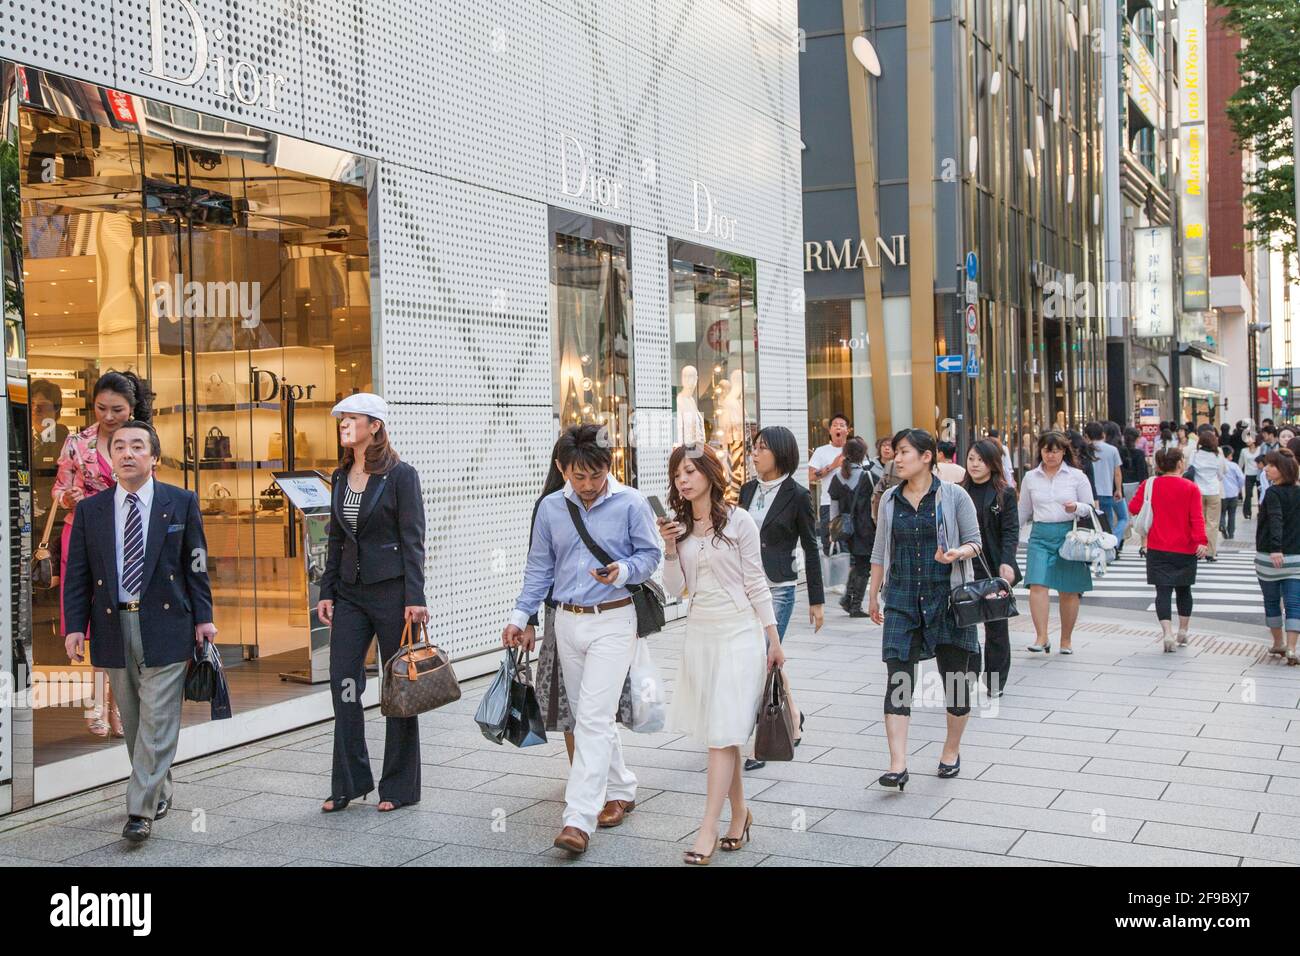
(600, 553)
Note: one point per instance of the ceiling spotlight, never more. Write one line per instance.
(866, 54)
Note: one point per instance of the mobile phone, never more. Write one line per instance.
(657, 505)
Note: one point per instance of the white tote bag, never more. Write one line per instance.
(649, 701)
(1141, 524)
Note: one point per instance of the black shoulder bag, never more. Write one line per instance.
(981, 600)
(647, 597)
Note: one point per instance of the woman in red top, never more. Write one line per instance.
(1176, 540)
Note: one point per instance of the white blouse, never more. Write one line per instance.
(1043, 499)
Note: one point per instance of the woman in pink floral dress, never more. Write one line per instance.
(84, 470)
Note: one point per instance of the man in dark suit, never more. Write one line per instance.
(137, 579)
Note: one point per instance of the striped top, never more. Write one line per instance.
(351, 507)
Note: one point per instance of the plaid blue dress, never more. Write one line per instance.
(918, 617)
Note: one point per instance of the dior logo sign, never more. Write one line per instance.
(715, 224)
(228, 78)
(579, 180)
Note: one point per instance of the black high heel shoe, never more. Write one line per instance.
(340, 803)
(892, 780)
(949, 770)
(802, 715)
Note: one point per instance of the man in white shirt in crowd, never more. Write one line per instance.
(821, 465)
(946, 467)
(1108, 473)
(1008, 469)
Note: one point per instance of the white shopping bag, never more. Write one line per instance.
(649, 701)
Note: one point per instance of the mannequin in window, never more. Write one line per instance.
(690, 423)
(731, 430)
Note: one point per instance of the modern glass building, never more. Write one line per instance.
(934, 129)
(503, 218)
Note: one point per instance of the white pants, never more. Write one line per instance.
(595, 652)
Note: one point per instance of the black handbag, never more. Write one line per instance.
(205, 680)
(493, 712)
(216, 446)
(524, 724)
(983, 600)
(647, 597)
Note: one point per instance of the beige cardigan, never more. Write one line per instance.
(737, 566)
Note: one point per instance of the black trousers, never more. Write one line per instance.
(1164, 610)
(859, 578)
(824, 527)
(1228, 519)
(361, 613)
(997, 657)
(1252, 481)
(957, 668)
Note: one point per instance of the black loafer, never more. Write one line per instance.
(137, 829)
(752, 764)
(163, 806)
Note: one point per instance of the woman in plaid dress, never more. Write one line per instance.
(926, 535)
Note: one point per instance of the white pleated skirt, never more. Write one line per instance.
(723, 668)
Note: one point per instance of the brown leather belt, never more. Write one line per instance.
(607, 606)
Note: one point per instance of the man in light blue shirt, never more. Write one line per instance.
(1108, 474)
(1234, 482)
(595, 620)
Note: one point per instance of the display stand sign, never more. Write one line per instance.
(309, 494)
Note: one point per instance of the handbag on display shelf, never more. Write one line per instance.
(220, 501)
(301, 446)
(272, 498)
(775, 731)
(43, 576)
(217, 391)
(216, 445)
(418, 678)
(275, 447)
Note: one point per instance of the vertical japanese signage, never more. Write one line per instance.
(1153, 275)
(1193, 205)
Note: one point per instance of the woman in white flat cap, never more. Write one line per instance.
(373, 584)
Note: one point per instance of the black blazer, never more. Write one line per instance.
(175, 597)
(389, 540)
(789, 521)
(1000, 531)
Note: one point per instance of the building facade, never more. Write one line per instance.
(503, 219)
(933, 130)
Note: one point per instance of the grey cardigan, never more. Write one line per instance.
(960, 522)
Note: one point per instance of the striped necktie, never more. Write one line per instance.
(132, 548)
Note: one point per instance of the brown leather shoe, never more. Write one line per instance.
(572, 839)
(614, 811)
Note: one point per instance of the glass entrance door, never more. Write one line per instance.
(240, 292)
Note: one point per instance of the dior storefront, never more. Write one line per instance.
(504, 221)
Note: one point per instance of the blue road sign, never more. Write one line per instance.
(972, 267)
(973, 367)
(949, 363)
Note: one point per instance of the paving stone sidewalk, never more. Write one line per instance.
(1119, 755)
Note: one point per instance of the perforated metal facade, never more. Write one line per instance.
(473, 112)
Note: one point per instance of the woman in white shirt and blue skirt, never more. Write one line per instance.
(712, 554)
(1052, 496)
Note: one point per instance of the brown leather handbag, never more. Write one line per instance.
(43, 574)
(417, 678)
(774, 735)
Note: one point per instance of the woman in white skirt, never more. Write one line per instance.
(713, 555)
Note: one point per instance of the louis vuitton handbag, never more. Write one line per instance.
(43, 576)
(418, 678)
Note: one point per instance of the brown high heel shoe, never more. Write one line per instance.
(735, 843)
(700, 859)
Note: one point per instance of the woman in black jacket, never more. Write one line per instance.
(995, 504)
(846, 487)
(372, 586)
(783, 510)
(1277, 552)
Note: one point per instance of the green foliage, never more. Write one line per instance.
(1261, 110)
